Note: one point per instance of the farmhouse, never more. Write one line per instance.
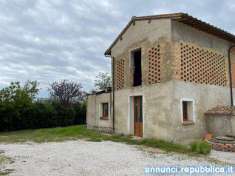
(168, 71)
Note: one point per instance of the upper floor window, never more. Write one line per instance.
(136, 64)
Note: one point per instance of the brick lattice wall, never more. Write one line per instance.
(119, 74)
(200, 65)
(154, 65)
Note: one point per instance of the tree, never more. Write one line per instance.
(66, 92)
(18, 93)
(103, 81)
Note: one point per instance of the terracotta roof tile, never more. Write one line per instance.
(221, 110)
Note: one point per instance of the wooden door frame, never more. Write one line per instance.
(131, 113)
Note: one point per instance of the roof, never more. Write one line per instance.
(107, 90)
(220, 110)
(183, 18)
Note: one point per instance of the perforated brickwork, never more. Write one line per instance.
(202, 66)
(119, 75)
(154, 60)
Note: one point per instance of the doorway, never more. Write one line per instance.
(138, 115)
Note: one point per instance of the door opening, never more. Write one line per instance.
(138, 116)
(137, 75)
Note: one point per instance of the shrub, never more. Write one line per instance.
(9, 117)
(80, 113)
(65, 115)
(201, 147)
(19, 110)
(39, 115)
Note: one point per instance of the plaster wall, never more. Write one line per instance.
(186, 33)
(94, 111)
(162, 109)
(156, 110)
(141, 31)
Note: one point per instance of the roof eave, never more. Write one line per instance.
(108, 51)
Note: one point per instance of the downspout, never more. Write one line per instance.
(113, 90)
(230, 74)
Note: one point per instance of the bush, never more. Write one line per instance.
(80, 113)
(18, 109)
(64, 115)
(201, 147)
(39, 115)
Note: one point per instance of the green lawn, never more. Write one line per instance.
(3, 161)
(81, 132)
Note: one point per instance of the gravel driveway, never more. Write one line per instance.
(75, 158)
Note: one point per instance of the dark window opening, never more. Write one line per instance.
(137, 75)
(105, 111)
(185, 111)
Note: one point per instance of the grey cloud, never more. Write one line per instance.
(50, 40)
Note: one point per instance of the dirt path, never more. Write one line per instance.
(73, 158)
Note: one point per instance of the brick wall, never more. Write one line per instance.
(154, 65)
(201, 65)
(119, 74)
(180, 61)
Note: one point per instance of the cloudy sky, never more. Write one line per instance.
(48, 40)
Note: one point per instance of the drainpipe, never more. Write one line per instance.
(113, 90)
(230, 73)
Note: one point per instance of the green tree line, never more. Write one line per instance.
(19, 108)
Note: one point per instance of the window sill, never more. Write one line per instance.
(137, 85)
(185, 123)
(104, 118)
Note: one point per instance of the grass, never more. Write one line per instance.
(201, 147)
(3, 161)
(81, 132)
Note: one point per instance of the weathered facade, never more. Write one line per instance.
(168, 70)
(95, 117)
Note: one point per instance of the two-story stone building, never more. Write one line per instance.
(168, 70)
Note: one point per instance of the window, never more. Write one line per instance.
(136, 64)
(187, 111)
(104, 111)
